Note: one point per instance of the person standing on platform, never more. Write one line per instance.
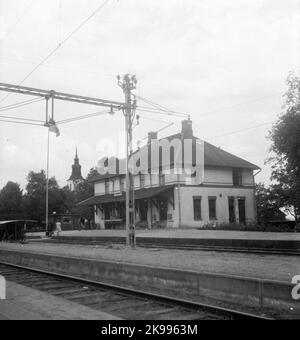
(58, 228)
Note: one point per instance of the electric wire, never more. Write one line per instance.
(160, 107)
(98, 9)
(91, 115)
(23, 123)
(22, 119)
(242, 130)
(9, 31)
(20, 104)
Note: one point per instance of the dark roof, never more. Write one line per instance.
(213, 157)
(217, 157)
(139, 194)
(99, 177)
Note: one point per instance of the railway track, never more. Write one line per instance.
(121, 302)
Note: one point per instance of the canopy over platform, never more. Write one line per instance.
(139, 195)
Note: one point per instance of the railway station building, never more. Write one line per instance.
(224, 192)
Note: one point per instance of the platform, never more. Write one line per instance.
(286, 243)
(273, 267)
(185, 234)
(234, 278)
(24, 303)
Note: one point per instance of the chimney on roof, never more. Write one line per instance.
(152, 136)
(187, 129)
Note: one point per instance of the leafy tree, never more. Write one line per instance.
(35, 198)
(11, 198)
(267, 203)
(285, 137)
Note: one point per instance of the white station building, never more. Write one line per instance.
(224, 193)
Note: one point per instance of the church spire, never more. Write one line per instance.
(76, 159)
(76, 176)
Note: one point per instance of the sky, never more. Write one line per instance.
(223, 62)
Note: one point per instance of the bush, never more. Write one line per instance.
(284, 227)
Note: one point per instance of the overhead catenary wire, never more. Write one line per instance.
(160, 107)
(22, 119)
(242, 130)
(91, 115)
(16, 122)
(153, 119)
(159, 112)
(68, 37)
(19, 104)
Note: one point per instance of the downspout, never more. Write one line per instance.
(254, 197)
(179, 206)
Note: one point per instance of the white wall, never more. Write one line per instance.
(222, 194)
(216, 176)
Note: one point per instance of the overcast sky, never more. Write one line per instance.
(224, 62)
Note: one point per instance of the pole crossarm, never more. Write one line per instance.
(61, 96)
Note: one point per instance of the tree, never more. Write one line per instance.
(35, 198)
(285, 137)
(268, 205)
(11, 197)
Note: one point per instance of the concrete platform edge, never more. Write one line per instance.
(172, 282)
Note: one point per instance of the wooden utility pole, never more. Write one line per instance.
(128, 84)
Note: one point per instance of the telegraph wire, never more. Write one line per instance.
(154, 119)
(237, 105)
(68, 37)
(61, 67)
(160, 112)
(162, 108)
(242, 130)
(20, 18)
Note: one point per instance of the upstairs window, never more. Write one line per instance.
(237, 177)
(107, 186)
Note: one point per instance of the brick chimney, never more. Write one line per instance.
(187, 129)
(151, 136)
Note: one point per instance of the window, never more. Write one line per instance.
(107, 186)
(197, 208)
(237, 177)
(212, 208)
(142, 181)
(123, 184)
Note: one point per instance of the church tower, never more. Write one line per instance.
(76, 177)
